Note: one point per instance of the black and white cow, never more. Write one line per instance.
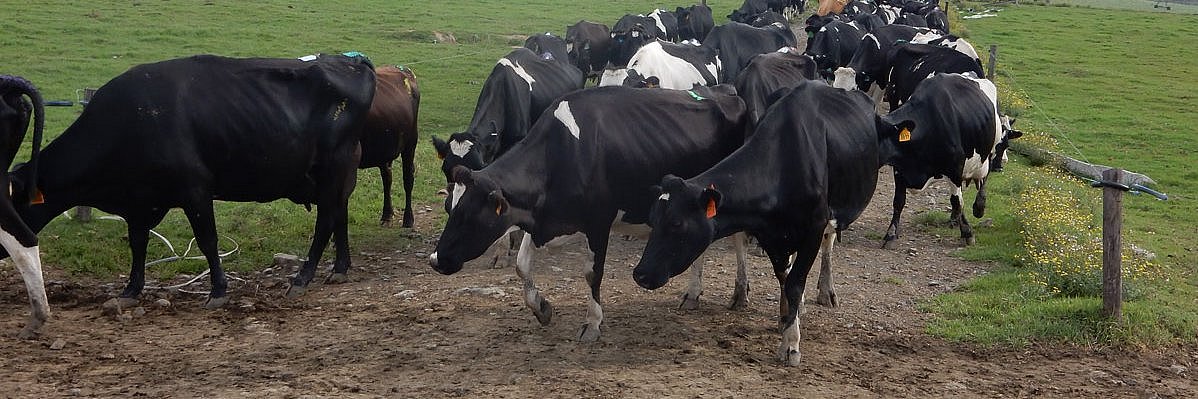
(580, 170)
(628, 35)
(521, 85)
(15, 236)
(767, 73)
(768, 18)
(667, 24)
(676, 66)
(912, 63)
(948, 129)
(548, 46)
(867, 22)
(833, 46)
(589, 46)
(736, 43)
(807, 172)
(252, 129)
(913, 20)
(871, 63)
(694, 22)
(937, 20)
(858, 7)
(750, 8)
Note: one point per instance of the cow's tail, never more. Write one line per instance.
(10, 84)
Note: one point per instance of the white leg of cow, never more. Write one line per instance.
(690, 298)
(29, 264)
(532, 296)
(788, 351)
(827, 294)
(597, 243)
(740, 292)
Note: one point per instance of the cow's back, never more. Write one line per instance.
(766, 73)
(245, 129)
(392, 117)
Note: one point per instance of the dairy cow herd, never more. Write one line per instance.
(693, 131)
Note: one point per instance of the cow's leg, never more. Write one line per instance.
(341, 262)
(959, 216)
(597, 241)
(781, 262)
(827, 293)
(690, 297)
(740, 292)
(203, 225)
(515, 241)
(409, 177)
(332, 218)
(388, 211)
(21, 243)
(900, 201)
(139, 236)
(792, 290)
(320, 239)
(541, 308)
(979, 202)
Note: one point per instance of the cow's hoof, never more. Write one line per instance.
(827, 299)
(740, 301)
(385, 222)
(116, 305)
(890, 244)
(408, 221)
(544, 313)
(337, 278)
(689, 302)
(296, 291)
(789, 356)
(216, 303)
(588, 333)
(967, 241)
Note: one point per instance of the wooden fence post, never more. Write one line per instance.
(990, 64)
(1112, 246)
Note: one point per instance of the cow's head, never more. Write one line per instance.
(478, 215)
(899, 146)
(683, 221)
(1000, 149)
(578, 49)
(548, 47)
(460, 150)
(625, 44)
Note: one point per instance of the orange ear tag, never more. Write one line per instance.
(37, 197)
(710, 208)
(905, 135)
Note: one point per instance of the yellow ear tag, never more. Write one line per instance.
(905, 135)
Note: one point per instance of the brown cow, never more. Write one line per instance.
(831, 7)
(390, 131)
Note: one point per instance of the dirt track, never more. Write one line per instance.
(398, 329)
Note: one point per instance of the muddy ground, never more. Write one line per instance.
(399, 329)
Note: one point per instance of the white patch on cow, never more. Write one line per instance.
(874, 39)
(778, 25)
(783, 50)
(656, 15)
(458, 190)
(664, 197)
(613, 77)
(432, 258)
(823, 28)
(460, 148)
(594, 316)
(788, 351)
(29, 265)
(925, 37)
(636, 33)
(308, 58)
(693, 42)
(846, 78)
(570, 47)
(563, 114)
(519, 71)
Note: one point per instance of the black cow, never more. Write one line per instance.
(768, 18)
(768, 73)
(694, 22)
(872, 61)
(628, 35)
(833, 45)
(390, 132)
(912, 63)
(937, 20)
(914, 20)
(589, 46)
(548, 46)
(807, 172)
(948, 129)
(251, 129)
(580, 169)
(15, 236)
(676, 66)
(868, 22)
(737, 43)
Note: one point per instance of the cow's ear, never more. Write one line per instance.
(710, 200)
(441, 146)
(1014, 134)
(501, 204)
(652, 82)
(463, 175)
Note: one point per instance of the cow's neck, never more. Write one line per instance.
(522, 176)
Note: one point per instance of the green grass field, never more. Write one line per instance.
(1183, 7)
